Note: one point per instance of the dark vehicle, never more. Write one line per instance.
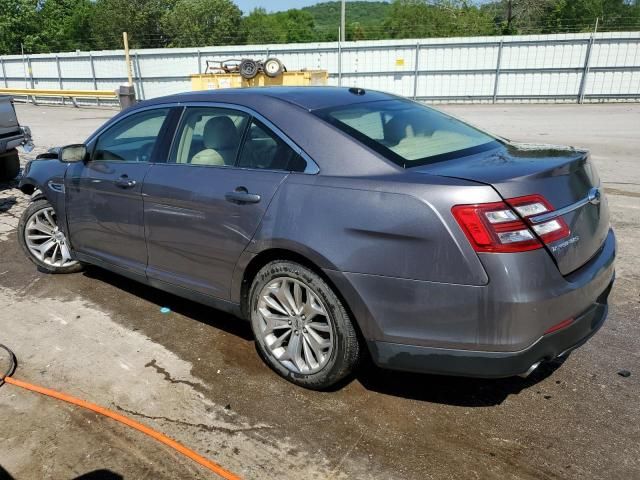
(338, 221)
(12, 135)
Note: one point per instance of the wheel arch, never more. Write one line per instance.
(258, 261)
(29, 187)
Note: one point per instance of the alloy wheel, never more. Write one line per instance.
(295, 325)
(45, 240)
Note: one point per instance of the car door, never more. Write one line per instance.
(203, 206)
(104, 194)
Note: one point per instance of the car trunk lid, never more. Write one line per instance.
(563, 176)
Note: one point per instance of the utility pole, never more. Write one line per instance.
(342, 20)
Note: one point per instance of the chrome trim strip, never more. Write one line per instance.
(593, 198)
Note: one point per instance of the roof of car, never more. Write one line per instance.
(309, 98)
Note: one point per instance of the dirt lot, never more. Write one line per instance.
(193, 373)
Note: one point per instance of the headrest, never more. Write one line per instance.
(396, 129)
(220, 133)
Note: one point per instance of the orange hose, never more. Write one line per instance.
(214, 467)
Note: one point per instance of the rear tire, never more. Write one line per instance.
(301, 327)
(9, 165)
(42, 241)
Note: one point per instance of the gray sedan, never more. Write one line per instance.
(340, 223)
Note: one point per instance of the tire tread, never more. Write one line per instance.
(346, 354)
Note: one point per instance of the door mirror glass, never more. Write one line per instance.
(73, 153)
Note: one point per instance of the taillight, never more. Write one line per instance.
(532, 205)
(496, 227)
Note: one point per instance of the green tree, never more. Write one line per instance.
(440, 18)
(139, 18)
(355, 31)
(364, 19)
(559, 16)
(261, 27)
(282, 27)
(298, 26)
(18, 25)
(65, 25)
(521, 16)
(203, 22)
(580, 15)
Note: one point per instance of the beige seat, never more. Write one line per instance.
(220, 138)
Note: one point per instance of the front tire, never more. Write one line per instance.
(43, 242)
(301, 327)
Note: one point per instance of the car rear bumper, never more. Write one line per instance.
(494, 330)
(14, 141)
(486, 364)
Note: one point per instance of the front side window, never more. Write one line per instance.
(209, 136)
(131, 139)
(263, 149)
(408, 133)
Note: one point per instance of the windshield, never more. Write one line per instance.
(408, 133)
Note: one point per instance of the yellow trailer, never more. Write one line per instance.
(212, 81)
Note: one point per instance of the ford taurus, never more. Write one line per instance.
(341, 223)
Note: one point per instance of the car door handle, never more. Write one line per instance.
(124, 182)
(241, 195)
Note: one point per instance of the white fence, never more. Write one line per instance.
(571, 67)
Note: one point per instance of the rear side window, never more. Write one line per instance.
(408, 133)
(263, 149)
(209, 136)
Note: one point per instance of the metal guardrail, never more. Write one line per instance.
(33, 93)
(50, 92)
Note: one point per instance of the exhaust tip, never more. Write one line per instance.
(530, 370)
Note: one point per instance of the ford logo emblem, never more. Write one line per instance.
(594, 196)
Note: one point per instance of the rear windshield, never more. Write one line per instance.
(408, 133)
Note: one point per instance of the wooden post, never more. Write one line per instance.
(496, 82)
(339, 57)
(125, 39)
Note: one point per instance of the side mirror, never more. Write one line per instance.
(73, 153)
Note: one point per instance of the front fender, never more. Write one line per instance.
(46, 175)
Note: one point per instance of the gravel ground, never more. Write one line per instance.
(194, 373)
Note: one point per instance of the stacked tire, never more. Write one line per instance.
(271, 67)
